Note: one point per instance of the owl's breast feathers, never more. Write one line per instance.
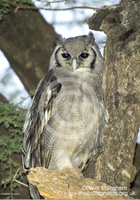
(63, 119)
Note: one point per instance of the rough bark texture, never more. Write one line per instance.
(121, 23)
(68, 183)
(27, 42)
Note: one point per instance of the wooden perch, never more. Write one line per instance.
(69, 183)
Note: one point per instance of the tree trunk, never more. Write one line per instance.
(122, 91)
(27, 42)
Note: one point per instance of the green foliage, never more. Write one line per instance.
(11, 138)
(67, 1)
(5, 5)
(32, 93)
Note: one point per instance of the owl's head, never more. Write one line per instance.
(77, 53)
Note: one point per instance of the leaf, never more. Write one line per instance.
(12, 117)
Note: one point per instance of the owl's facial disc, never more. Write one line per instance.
(74, 60)
(67, 56)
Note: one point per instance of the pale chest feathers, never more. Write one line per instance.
(75, 114)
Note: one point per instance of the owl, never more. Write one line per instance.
(65, 122)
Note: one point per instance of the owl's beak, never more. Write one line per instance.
(74, 64)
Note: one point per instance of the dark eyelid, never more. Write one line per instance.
(84, 55)
(66, 55)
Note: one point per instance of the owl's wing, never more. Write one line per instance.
(36, 134)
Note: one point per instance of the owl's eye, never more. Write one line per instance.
(84, 55)
(66, 55)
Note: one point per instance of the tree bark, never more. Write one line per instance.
(122, 91)
(27, 42)
(55, 185)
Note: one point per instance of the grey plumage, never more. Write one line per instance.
(65, 123)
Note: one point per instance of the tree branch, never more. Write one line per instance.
(54, 185)
(21, 6)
